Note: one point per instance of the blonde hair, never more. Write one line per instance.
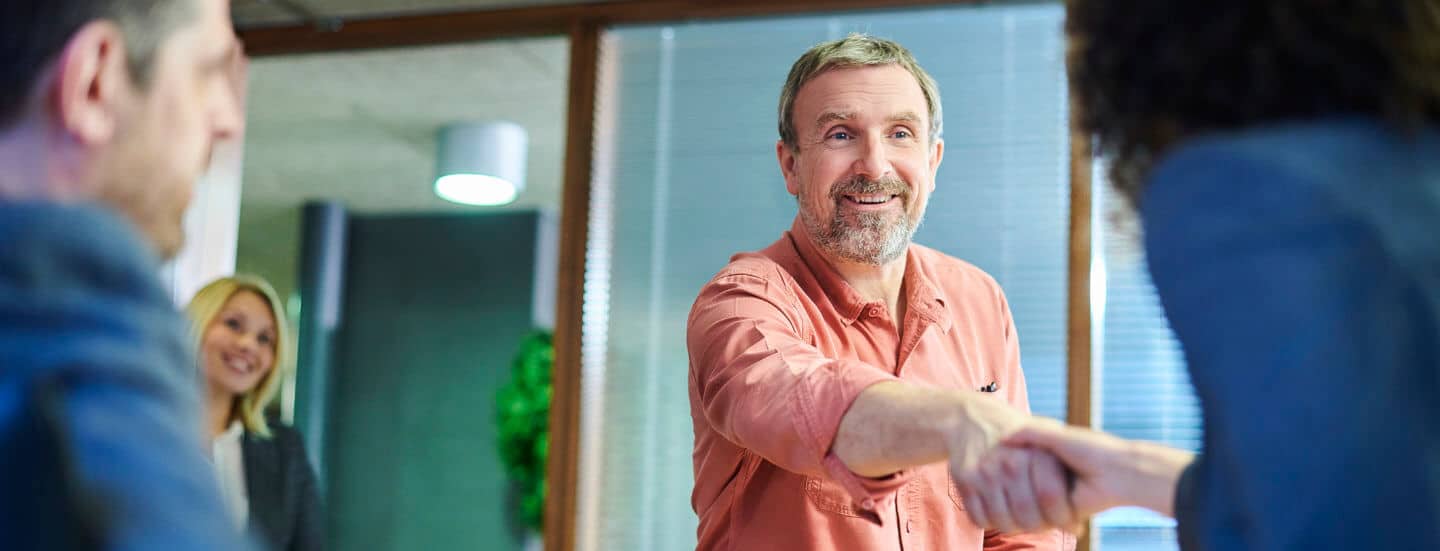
(856, 50)
(206, 306)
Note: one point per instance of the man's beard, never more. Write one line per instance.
(874, 238)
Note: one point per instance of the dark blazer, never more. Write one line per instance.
(285, 511)
(1299, 266)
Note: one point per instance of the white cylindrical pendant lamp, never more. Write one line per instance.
(481, 163)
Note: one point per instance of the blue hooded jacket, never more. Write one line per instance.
(99, 417)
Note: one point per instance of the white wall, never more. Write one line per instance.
(212, 223)
(212, 227)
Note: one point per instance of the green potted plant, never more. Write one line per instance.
(523, 418)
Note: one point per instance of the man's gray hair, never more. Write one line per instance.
(856, 50)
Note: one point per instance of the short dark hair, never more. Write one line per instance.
(33, 33)
(1149, 73)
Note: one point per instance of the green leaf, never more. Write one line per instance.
(522, 408)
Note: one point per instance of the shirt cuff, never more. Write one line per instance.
(1186, 507)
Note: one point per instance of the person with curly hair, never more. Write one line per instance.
(1284, 159)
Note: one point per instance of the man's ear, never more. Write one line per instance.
(91, 79)
(937, 154)
(786, 157)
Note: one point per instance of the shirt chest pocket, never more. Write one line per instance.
(954, 493)
(830, 497)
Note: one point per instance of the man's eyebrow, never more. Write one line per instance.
(908, 116)
(832, 116)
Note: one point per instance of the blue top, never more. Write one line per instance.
(99, 416)
(1300, 268)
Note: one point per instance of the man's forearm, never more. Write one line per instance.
(893, 426)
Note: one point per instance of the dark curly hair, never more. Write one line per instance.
(1147, 74)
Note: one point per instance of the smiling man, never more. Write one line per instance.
(834, 373)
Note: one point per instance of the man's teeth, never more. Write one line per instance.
(869, 199)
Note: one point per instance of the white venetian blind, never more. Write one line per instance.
(1145, 392)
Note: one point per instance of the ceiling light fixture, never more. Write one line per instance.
(481, 163)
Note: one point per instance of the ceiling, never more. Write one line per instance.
(260, 13)
(360, 127)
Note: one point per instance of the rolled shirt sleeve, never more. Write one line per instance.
(765, 387)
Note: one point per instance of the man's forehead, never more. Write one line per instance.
(212, 19)
(209, 34)
(844, 113)
(847, 89)
(864, 76)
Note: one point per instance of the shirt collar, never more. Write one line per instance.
(233, 432)
(923, 297)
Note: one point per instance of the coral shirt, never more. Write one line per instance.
(780, 345)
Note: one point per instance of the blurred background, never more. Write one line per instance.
(463, 338)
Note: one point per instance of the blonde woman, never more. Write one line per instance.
(243, 347)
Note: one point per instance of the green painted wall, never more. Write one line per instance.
(434, 308)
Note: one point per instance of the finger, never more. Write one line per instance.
(1052, 491)
(1039, 432)
(972, 486)
(975, 507)
(997, 507)
(1020, 492)
(1074, 447)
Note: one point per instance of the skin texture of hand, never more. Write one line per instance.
(983, 422)
(1108, 472)
(1026, 489)
(1016, 490)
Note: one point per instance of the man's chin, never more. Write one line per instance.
(871, 250)
(165, 240)
(169, 246)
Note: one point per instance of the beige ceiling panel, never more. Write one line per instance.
(360, 127)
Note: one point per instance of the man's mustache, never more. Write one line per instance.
(860, 185)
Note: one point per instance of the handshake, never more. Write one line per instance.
(1018, 474)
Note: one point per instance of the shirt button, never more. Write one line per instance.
(868, 504)
(873, 311)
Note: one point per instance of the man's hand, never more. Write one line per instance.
(981, 424)
(1017, 490)
(1006, 488)
(1107, 471)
